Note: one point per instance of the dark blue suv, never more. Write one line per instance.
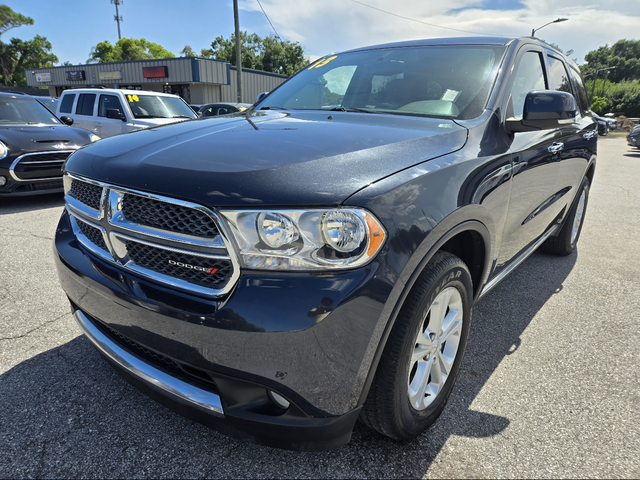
(282, 272)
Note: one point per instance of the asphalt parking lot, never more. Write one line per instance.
(549, 386)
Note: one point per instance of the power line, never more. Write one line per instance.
(265, 14)
(420, 21)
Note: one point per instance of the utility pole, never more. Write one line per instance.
(238, 52)
(117, 17)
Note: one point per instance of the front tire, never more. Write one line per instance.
(566, 241)
(422, 357)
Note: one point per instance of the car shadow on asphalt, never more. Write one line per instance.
(10, 205)
(632, 154)
(67, 413)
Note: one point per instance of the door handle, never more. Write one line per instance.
(590, 134)
(556, 147)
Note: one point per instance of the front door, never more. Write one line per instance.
(534, 196)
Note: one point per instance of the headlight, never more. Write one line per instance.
(318, 239)
(94, 138)
(4, 151)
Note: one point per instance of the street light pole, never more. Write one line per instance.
(595, 77)
(238, 53)
(558, 20)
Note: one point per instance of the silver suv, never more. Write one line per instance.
(108, 112)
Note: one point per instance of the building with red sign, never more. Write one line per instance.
(196, 80)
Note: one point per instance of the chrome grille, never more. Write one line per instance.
(86, 193)
(170, 241)
(167, 216)
(39, 166)
(203, 271)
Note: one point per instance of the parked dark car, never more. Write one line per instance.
(279, 273)
(633, 139)
(603, 125)
(33, 146)
(215, 109)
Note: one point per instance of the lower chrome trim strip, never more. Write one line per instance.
(526, 254)
(157, 380)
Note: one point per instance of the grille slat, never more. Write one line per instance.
(215, 274)
(86, 193)
(93, 234)
(168, 216)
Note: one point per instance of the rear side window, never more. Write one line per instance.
(108, 101)
(85, 103)
(529, 76)
(67, 103)
(581, 92)
(558, 77)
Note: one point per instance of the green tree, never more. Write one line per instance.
(187, 51)
(269, 54)
(34, 53)
(624, 55)
(599, 105)
(10, 19)
(127, 49)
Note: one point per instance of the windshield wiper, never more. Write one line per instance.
(274, 107)
(351, 109)
(150, 116)
(181, 116)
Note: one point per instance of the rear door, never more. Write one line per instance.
(85, 112)
(579, 138)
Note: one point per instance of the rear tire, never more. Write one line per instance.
(422, 357)
(566, 241)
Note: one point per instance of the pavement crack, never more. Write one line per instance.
(15, 337)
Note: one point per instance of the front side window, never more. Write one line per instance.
(67, 103)
(529, 76)
(107, 102)
(433, 81)
(85, 104)
(24, 111)
(156, 106)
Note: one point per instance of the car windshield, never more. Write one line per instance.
(24, 111)
(156, 106)
(433, 81)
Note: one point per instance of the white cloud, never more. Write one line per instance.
(334, 25)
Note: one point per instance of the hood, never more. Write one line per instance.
(269, 157)
(33, 138)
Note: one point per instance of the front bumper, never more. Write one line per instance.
(308, 338)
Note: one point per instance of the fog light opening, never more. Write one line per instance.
(3, 181)
(279, 400)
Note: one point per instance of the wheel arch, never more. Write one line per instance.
(453, 239)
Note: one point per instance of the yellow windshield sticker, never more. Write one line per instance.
(322, 63)
(133, 98)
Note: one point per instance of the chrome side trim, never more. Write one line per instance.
(15, 162)
(523, 256)
(155, 379)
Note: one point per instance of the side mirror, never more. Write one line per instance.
(544, 110)
(116, 113)
(67, 120)
(261, 96)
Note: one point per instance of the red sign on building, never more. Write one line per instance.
(155, 72)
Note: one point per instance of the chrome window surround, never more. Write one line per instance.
(17, 160)
(116, 230)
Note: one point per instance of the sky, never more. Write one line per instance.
(324, 26)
